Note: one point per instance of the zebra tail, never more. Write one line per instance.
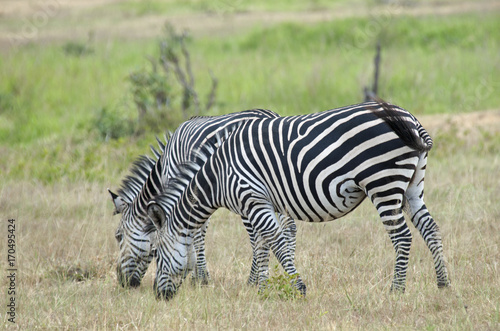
(406, 126)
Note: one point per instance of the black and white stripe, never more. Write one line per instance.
(314, 168)
(149, 177)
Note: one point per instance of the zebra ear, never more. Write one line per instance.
(156, 214)
(118, 202)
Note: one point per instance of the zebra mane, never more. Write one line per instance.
(180, 180)
(133, 184)
(401, 125)
(185, 172)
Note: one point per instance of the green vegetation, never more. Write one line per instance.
(139, 8)
(280, 286)
(50, 98)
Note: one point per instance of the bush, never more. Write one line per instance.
(281, 286)
(166, 95)
(110, 125)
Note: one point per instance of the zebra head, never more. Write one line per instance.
(134, 240)
(175, 255)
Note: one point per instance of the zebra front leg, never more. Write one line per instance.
(280, 248)
(290, 232)
(270, 234)
(200, 272)
(429, 230)
(254, 270)
(261, 255)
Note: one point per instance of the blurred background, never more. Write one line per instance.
(80, 80)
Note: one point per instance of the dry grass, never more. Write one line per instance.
(66, 253)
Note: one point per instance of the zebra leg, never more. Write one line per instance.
(200, 272)
(253, 278)
(269, 234)
(261, 255)
(429, 230)
(423, 221)
(391, 212)
(290, 232)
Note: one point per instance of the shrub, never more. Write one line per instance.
(281, 286)
(110, 125)
(166, 94)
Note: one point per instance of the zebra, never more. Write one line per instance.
(150, 176)
(314, 168)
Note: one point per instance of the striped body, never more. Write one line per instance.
(314, 168)
(151, 177)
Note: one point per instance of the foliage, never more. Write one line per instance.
(77, 49)
(166, 95)
(60, 108)
(280, 286)
(110, 125)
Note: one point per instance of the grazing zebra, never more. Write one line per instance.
(314, 168)
(150, 176)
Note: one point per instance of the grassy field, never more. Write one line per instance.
(66, 258)
(55, 166)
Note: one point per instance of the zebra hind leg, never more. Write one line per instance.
(429, 230)
(391, 213)
(423, 221)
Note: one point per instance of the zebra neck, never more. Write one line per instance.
(194, 207)
(150, 189)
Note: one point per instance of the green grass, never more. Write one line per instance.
(50, 99)
(139, 8)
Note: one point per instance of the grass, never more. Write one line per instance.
(50, 99)
(55, 168)
(347, 265)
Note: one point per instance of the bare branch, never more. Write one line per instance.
(372, 94)
(377, 65)
(211, 96)
(187, 63)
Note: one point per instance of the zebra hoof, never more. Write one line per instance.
(302, 290)
(252, 282)
(128, 281)
(165, 294)
(203, 281)
(397, 289)
(134, 282)
(443, 284)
